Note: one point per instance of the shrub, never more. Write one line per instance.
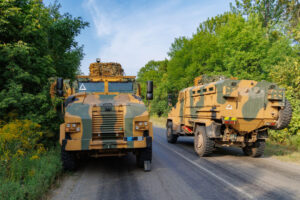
(19, 138)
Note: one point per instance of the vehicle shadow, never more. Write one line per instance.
(110, 164)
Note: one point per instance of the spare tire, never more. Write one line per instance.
(285, 116)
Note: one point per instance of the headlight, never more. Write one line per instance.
(141, 125)
(73, 127)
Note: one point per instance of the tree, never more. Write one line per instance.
(275, 14)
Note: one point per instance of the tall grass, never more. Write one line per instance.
(28, 178)
(27, 168)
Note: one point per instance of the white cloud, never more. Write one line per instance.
(136, 36)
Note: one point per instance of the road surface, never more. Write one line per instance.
(178, 173)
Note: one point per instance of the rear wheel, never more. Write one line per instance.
(68, 159)
(172, 138)
(203, 145)
(257, 150)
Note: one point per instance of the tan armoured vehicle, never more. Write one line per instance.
(228, 112)
(104, 116)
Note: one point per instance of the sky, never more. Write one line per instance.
(133, 32)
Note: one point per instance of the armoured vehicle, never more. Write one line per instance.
(228, 112)
(104, 115)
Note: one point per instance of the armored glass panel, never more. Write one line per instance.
(123, 87)
(90, 86)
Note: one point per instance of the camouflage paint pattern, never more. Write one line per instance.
(253, 105)
(104, 120)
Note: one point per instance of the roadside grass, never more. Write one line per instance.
(158, 121)
(284, 152)
(28, 178)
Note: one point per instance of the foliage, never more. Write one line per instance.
(274, 14)
(29, 178)
(19, 138)
(36, 43)
(156, 71)
(26, 168)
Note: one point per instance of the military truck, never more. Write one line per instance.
(104, 115)
(228, 112)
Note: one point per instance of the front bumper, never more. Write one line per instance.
(126, 143)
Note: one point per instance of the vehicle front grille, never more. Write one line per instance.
(107, 124)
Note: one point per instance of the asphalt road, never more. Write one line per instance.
(178, 173)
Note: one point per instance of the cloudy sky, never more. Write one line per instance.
(134, 32)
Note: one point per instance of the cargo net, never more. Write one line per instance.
(106, 69)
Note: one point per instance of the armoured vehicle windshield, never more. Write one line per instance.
(121, 87)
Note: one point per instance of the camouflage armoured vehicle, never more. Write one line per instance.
(104, 116)
(228, 112)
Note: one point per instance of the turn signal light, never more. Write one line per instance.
(229, 120)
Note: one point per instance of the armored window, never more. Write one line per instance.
(204, 90)
(193, 92)
(211, 89)
(199, 91)
(123, 87)
(90, 87)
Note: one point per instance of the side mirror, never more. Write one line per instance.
(138, 92)
(149, 90)
(170, 100)
(59, 87)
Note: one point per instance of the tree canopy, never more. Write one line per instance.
(36, 43)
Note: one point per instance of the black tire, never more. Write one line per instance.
(257, 150)
(203, 145)
(171, 137)
(285, 116)
(68, 159)
(144, 155)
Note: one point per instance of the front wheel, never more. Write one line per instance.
(68, 159)
(172, 138)
(257, 150)
(203, 145)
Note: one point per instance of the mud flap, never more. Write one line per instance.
(147, 165)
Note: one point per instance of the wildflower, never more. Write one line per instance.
(34, 157)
